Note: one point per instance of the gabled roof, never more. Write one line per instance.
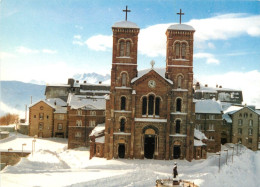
(56, 101)
(159, 71)
(42, 100)
(234, 109)
(227, 118)
(208, 107)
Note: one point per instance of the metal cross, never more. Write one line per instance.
(180, 13)
(126, 10)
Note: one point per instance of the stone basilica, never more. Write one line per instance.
(150, 113)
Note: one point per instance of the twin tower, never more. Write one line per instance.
(150, 113)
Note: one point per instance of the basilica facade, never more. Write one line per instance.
(150, 113)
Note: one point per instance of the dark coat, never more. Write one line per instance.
(175, 172)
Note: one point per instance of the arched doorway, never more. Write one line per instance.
(176, 151)
(121, 150)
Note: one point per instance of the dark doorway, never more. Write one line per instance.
(223, 141)
(59, 134)
(149, 146)
(176, 152)
(121, 151)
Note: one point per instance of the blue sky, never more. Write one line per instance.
(53, 40)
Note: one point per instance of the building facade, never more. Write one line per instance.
(150, 113)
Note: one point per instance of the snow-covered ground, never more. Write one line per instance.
(54, 165)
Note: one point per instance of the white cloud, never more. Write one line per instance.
(5, 55)
(25, 50)
(77, 37)
(210, 59)
(49, 51)
(152, 40)
(75, 42)
(248, 82)
(99, 42)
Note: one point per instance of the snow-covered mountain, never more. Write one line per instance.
(92, 77)
(14, 95)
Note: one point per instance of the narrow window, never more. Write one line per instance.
(240, 122)
(41, 116)
(122, 48)
(150, 104)
(77, 134)
(144, 108)
(183, 51)
(123, 79)
(178, 105)
(197, 116)
(122, 125)
(179, 81)
(177, 50)
(128, 48)
(79, 112)
(250, 123)
(250, 132)
(198, 126)
(178, 126)
(239, 131)
(123, 103)
(157, 106)
(40, 126)
(60, 126)
(211, 127)
(78, 123)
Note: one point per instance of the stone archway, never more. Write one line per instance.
(150, 142)
(121, 150)
(177, 149)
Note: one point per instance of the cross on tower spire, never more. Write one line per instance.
(180, 13)
(126, 10)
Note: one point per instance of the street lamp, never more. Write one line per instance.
(227, 155)
(33, 146)
(218, 161)
(24, 144)
(232, 152)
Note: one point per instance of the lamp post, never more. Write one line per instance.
(232, 152)
(33, 144)
(218, 161)
(240, 146)
(227, 155)
(237, 147)
(24, 144)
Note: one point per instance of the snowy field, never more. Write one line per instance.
(54, 165)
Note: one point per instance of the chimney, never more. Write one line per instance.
(216, 86)
(85, 82)
(71, 82)
(77, 81)
(100, 82)
(220, 86)
(197, 86)
(206, 85)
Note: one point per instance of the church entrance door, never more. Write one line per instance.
(176, 152)
(121, 151)
(149, 145)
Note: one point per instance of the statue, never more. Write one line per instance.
(175, 172)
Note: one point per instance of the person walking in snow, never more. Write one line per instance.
(175, 172)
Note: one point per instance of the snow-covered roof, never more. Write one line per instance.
(198, 143)
(56, 101)
(182, 27)
(227, 118)
(208, 106)
(98, 130)
(125, 24)
(42, 100)
(58, 85)
(199, 135)
(232, 109)
(100, 139)
(87, 102)
(160, 71)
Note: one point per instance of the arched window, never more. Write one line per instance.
(122, 48)
(250, 123)
(178, 105)
(177, 50)
(157, 106)
(179, 81)
(183, 51)
(122, 125)
(178, 126)
(150, 105)
(128, 48)
(123, 103)
(124, 79)
(144, 108)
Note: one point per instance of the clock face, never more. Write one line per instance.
(151, 84)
